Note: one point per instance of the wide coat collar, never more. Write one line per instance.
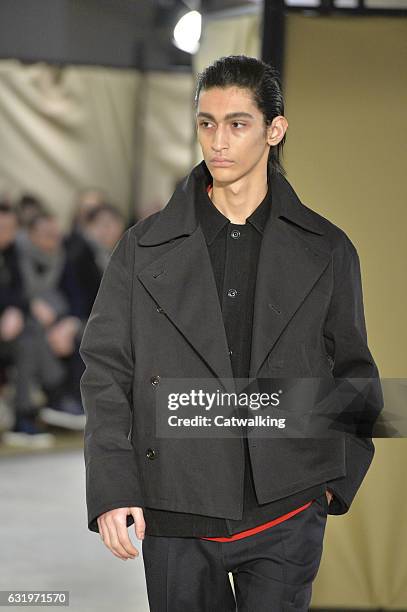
(292, 257)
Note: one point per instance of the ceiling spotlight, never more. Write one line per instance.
(187, 32)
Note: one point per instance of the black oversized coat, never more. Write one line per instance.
(157, 315)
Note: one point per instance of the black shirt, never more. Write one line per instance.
(234, 252)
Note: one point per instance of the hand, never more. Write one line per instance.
(11, 323)
(42, 311)
(113, 531)
(61, 336)
(329, 495)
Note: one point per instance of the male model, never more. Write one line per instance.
(234, 278)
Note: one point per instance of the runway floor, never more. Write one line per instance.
(45, 542)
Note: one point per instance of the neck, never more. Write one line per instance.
(239, 199)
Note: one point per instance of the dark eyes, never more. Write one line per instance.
(204, 123)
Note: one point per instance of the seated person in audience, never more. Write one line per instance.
(13, 304)
(14, 310)
(27, 207)
(55, 325)
(101, 229)
(104, 226)
(86, 200)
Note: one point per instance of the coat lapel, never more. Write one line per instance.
(287, 270)
(182, 283)
(181, 280)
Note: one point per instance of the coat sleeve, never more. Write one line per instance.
(346, 340)
(112, 480)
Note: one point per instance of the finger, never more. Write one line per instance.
(103, 536)
(115, 545)
(107, 540)
(124, 540)
(139, 522)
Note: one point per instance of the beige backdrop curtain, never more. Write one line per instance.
(62, 129)
(345, 156)
(166, 133)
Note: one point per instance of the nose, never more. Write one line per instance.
(219, 140)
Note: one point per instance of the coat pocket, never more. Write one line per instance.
(317, 363)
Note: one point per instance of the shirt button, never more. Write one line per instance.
(235, 234)
(155, 380)
(232, 293)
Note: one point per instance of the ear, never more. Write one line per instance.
(270, 134)
(277, 129)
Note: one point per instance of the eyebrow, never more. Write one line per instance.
(227, 116)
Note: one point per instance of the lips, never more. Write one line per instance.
(217, 161)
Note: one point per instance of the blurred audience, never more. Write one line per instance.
(48, 283)
(89, 246)
(13, 304)
(26, 208)
(86, 200)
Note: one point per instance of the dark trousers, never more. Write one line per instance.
(36, 364)
(272, 570)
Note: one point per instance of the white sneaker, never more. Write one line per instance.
(62, 418)
(28, 440)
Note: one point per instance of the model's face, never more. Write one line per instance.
(231, 127)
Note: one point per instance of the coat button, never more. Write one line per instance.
(159, 309)
(235, 234)
(150, 453)
(232, 293)
(155, 380)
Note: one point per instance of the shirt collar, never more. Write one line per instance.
(212, 220)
